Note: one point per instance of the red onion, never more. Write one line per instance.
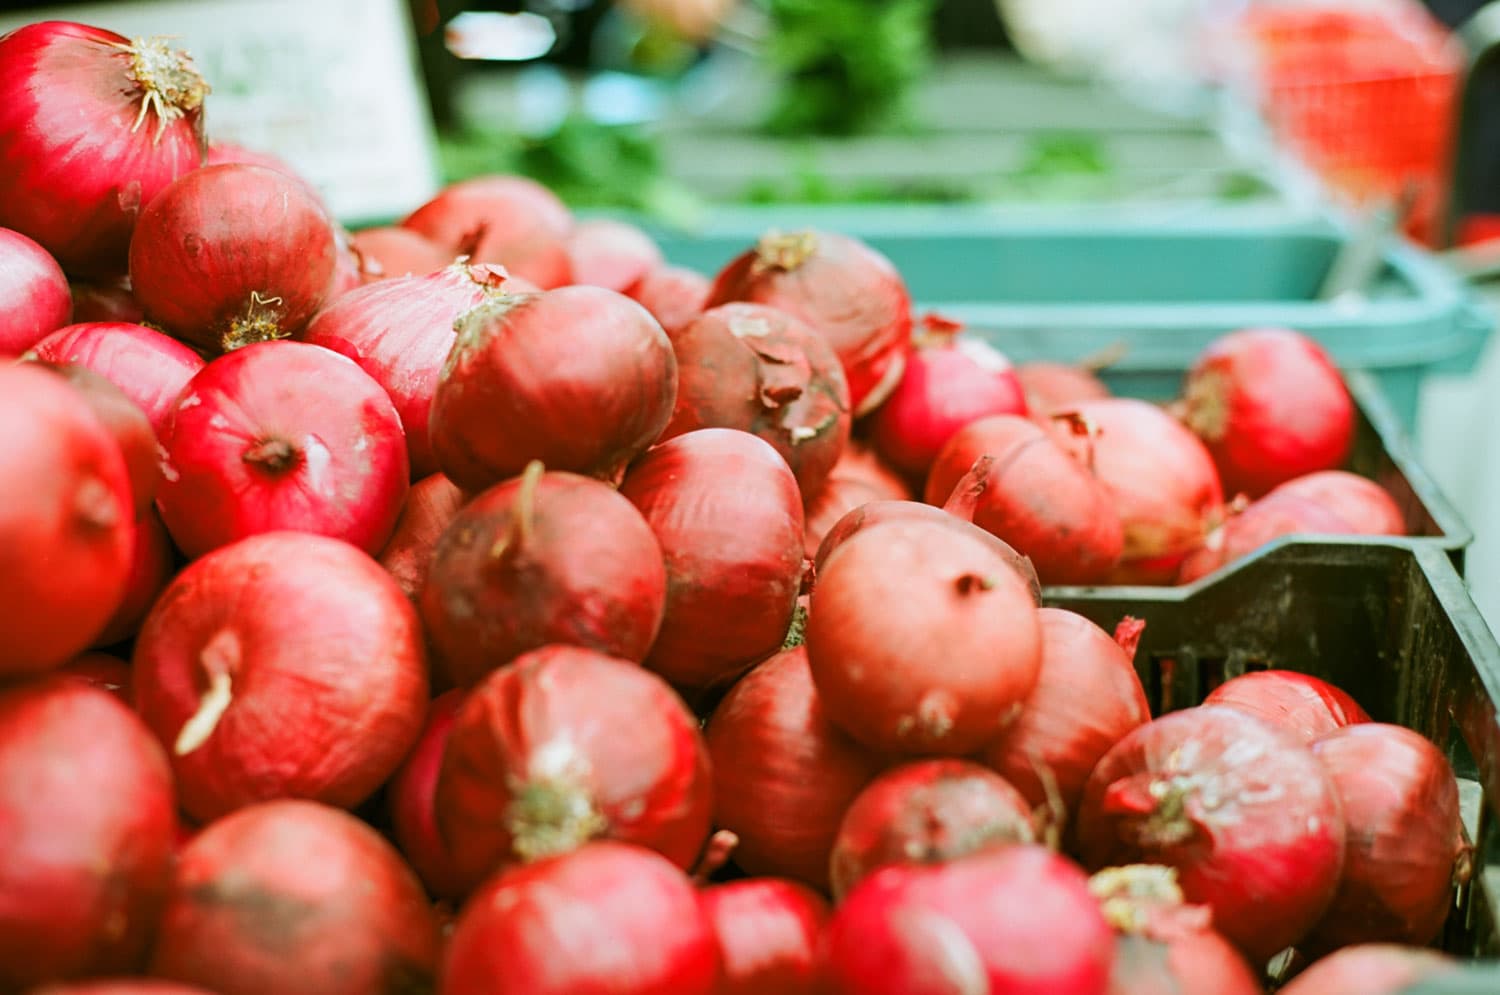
(1264, 521)
(1052, 387)
(759, 370)
(839, 496)
(509, 220)
(100, 670)
(401, 251)
(607, 918)
(412, 799)
(127, 425)
(783, 774)
(1243, 811)
(93, 127)
(726, 511)
(285, 665)
(1365, 506)
(548, 558)
(110, 301)
(922, 639)
(927, 812)
(1018, 920)
(293, 897)
(1087, 698)
(566, 745)
(36, 294)
(430, 505)
(675, 296)
(580, 378)
(232, 255)
(65, 522)
(282, 435)
(1374, 969)
(151, 368)
(1035, 497)
(151, 566)
(400, 332)
(1271, 406)
(843, 289)
(127, 986)
(768, 931)
(610, 254)
(86, 806)
(1307, 707)
(1400, 804)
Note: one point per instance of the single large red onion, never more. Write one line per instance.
(843, 289)
(430, 506)
(612, 254)
(231, 255)
(726, 510)
(108, 301)
(36, 294)
(93, 127)
(1307, 707)
(1372, 969)
(151, 368)
(412, 800)
(1264, 521)
(87, 814)
(509, 220)
(285, 665)
(151, 566)
(1053, 387)
(607, 918)
(545, 558)
(282, 435)
(1244, 811)
(580, 378)
(400, 252)
(1365, 506)
(295, 898)
(566, 745)
(675, 296)
(768, 931)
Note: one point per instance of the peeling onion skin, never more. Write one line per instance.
(1371, 969)
(36, 294)
(430, 505)
(512, 221)
(1307, 707)
(768, 931)
(151, 368)
(675, 296)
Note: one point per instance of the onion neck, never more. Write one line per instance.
(261, 322)
(964, 501)
(552, 816)
(95, 505)
(522, 523)
(1203, 408)
(786, 253)
(1155, 808)
(274, 456)
(170, 84)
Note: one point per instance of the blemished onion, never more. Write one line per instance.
(108, 301)
(783, 774)
(1244, 532)
(400, 332)
(127, 425)
(581, 378)
(674, 295)
(412, 796)
(1053, 387)
(398, 252)
(733, 553)
(1271, 406)
(843, 289)
(1307, 707)
(93, 127)
(430, 506)
(100, 670)
(1087, 698)
(66, 522)
(1017, 919)
(86, 802)
(1036, 497)
(509, 220)
(1400, 803)
(282, 435)
(36, 294)
(612, 254)
(151, 565)
(607, 918)
(566, 745)
(1365, 506)
(286, 665)
(1371, 969)
(768, 931)
(151, 368)
(544, 558)
(922, 639)
(926, 812)
(296, 898)
(232, 255)
(1243, 810)
(762, 371)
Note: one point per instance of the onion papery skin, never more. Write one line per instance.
(1087, 698)
(35, 292)
(926, 812)
(151, 566)
(548, 558)
(1268, 519)
(1270, 405)
(400, 332)
(843, 289)
(759, 370)
(1304, 706)
(87, 811)
(607, 918)
(768, 931)
(611, 254)
(430, 505)
(1363, 505)
(1052, 387)
(580, 378)
(285, 665)
(66, 522)
(277, 436)
(1400, 803)
(295, 898)
(100, 670)
(93, 129)
(233, 255)
(566, 745)
(509, 220)
(127, 425)
(783, 774)
(675, 296)
(412, 801)
(1243, 811)
(922, 639)
(151, 368)
(396, 252)
(1371, 969)
(1018, 920)
(1035, 497)
(110, 301)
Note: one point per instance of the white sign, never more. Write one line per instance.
(328, 85)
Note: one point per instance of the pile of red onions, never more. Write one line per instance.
(36, 295)
(1305, 706)
(509, 220)
(151, 368)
